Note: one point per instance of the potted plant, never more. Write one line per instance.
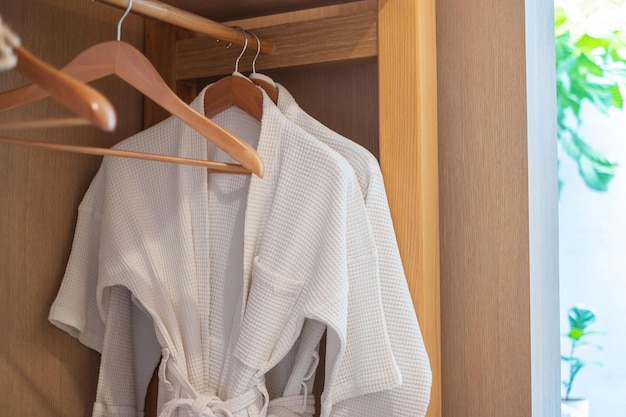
(580, 318)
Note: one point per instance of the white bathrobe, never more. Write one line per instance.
(412, 397)
(218, 273)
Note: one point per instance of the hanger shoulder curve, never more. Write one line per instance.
(134, 68)
(79, 98)
(233, 90)
(270, 90)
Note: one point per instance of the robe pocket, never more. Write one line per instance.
(271, 301)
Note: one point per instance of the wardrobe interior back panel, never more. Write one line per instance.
(44, 371)
(242, 9)
(343, 96)
(351, 88)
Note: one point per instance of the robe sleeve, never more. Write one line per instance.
(123, 334)
(366, 365)
(411, 398)
(75, 309)
(129, 356)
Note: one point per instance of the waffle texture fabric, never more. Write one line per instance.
(216, 275)
(412, 397)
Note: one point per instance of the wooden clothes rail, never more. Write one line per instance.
(181, 18)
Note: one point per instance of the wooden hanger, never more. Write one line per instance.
(217, 167)
(269, 88)
(126, 62)
(90, 106)
(234, 90)
(123, 60)
(263, 81)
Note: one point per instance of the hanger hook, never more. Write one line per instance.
(245, 46)
(258, 51)
(119, 24)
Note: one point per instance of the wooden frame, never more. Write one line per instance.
(497, 193)
(401, 34)
(407, 83)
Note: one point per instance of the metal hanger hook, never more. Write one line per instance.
(119, 24)
(245, 46)
(258, 51)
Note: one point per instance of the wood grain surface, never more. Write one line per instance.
(485, 119)
(332, 39)
(44, 371)
(408, 154)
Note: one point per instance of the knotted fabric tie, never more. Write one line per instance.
(212, 406)
(205, 404)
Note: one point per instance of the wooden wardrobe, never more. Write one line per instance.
(364, 68)
(458, 112)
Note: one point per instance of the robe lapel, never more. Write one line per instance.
(261, 190)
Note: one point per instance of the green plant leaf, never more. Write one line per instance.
(559, 17)
(603, 96)
(564, 49)
(593, 69)
(587, 44)
(596, 176)
(594, 168)
(575, 367)
(569, 141)
(581, 317)
(587, 65)
(617, 100)
(575, 333)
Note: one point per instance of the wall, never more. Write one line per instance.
(497, 193)
(542, 207)
(43, 371)
(592, 235)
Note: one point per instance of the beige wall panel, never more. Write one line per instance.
(43, 371)
(352, 88)
(484, 208)
(489, 117)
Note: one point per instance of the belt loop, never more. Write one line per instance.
(309, 375)
(266, 397)
(165, 357)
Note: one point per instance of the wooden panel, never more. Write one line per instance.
(353, 90)
(484, 142)
(408, 155)
(43, 371)
(240, 9)
(310, 42)
(160, 47)
(324, 12)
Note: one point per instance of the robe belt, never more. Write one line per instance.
(205, 404)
